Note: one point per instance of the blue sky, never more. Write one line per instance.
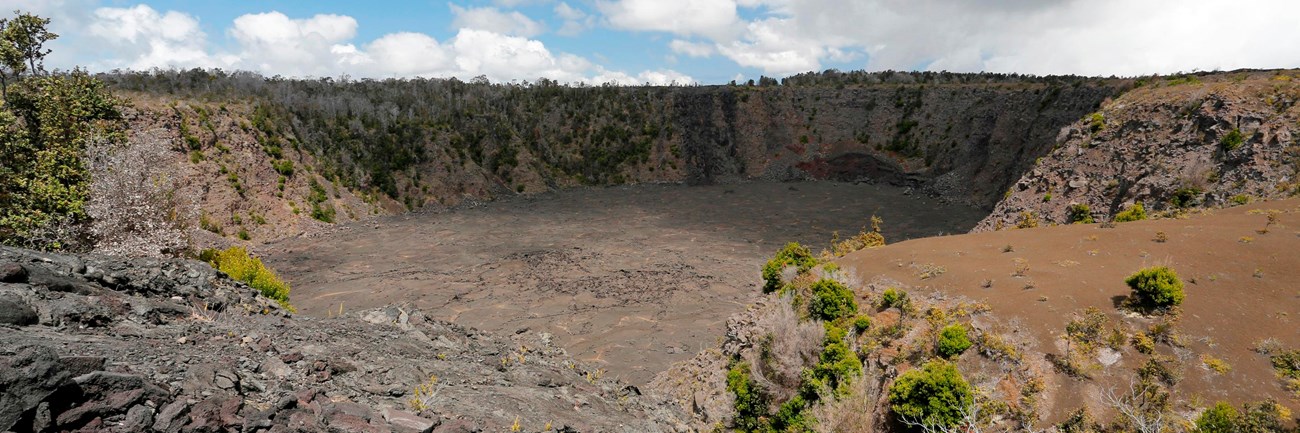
(662, 41)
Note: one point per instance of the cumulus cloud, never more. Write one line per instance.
(713, 18)
(494, 20)
(296, 47)
(145, 38)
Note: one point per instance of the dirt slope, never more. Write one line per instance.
(1240, 287)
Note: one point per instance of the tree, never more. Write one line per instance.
(22, 47)
(46, 123)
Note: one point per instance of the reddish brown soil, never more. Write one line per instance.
(1241, 288)
(632, 277)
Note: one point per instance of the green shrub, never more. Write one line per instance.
(1186, 196)
(792, 254)
(893, 298)
(243, 234)
(936, 394)
(1137, 212)
(751, 404)
(861, 324)
(1232, 140)
(1027, 220)
(831, 301)
(835, 368)
(953, 341)
(1096, 122)
(1222, 418)
(240, 266)
(1156, 287)
(1079, 213)
(1287, 366)
(284, 167)
(1264, 417)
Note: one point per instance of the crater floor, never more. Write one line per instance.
(634, 277)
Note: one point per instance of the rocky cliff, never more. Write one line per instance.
(1171, 144)
(105, 344)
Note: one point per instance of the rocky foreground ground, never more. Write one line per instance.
(106, 344)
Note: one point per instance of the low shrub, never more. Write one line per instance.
(1155, 288)
(936, 394)
(861, 324)
(831, 301)
(240, 266)
(1079, 213)
(1186, 196)
(893, 298)
(1232, 140)
(835, 368)
(952, 341)
(750, 404)
(792, 254)
(1221, 418)
(1137, 212)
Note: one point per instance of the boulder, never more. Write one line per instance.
(14, 311)
(12, 273)
(25, 381)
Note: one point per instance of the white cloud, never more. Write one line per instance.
(1097, 37)
(491, 19)
(143, 38)
(575, 20)
(773, 46)
(275, 44)
(660, 77)
(407, 54)
(713, 18)
(295, 47)
(501, 57)
(693, 49)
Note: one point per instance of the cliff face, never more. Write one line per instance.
(388, 147)
(961, 142)
(1207, 141)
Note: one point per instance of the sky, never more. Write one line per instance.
(665, 41)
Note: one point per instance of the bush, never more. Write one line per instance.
(1080, 214)
(1137, 212)
(861, 324)
(284, 167)
(835, 368)
(1096, 122)
(831, 301)
(1156, 287)
(936, 394)
(1222, 418)
(751, 404)
(1186, 196)
(792, 254)
(1232, 140)
(893, 298)
(953, 341)
(240, 266)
